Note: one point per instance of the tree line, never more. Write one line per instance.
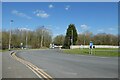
(72, 38)
(85, 38)
(42, 37)
(39, 38)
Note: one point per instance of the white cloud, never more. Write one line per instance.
(41, 13)
(84, 27)
(21, 14)
(50, 6)
(67, 7)
(24, 29)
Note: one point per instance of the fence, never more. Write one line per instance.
(96, 46)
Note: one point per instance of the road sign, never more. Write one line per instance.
(91, 46)
(21, 44)
(91, 43)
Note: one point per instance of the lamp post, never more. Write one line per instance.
(10, 35)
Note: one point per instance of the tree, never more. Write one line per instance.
(85, 38)
(71, 36)
(105, 39)
(59, 40)
(30, 39)
(5, 38)
(80, 40)
(44, 36)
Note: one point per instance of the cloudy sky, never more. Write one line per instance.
(95, 17)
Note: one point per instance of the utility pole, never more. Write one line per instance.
(10, 35)
(72, 38)
(84, 39)
(42, 37)
(26, 38)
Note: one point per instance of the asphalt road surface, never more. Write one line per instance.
(61, 65)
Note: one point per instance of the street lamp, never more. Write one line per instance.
(10, 35)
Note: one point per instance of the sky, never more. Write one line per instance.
(96, 17)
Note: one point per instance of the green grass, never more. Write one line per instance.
(95, 52)
(23, 49)
(4, 50)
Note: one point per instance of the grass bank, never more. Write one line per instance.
(97, 52)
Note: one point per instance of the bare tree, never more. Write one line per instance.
(59, 40)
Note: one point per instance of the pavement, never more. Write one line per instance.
(14, 69)
(0, 65)
(61, 65)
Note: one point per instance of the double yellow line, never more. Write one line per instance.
(39, 72)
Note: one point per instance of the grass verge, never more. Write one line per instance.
(95, 52)
(4, 50)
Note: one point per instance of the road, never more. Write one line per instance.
(61, 65)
